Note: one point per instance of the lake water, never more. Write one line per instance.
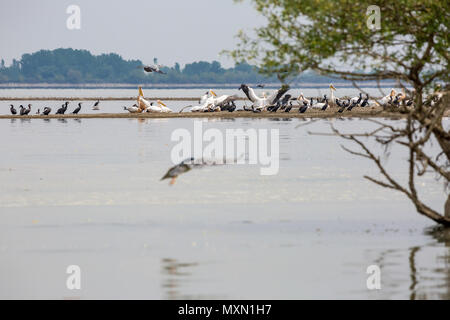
(87, 192)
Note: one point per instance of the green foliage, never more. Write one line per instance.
(80, 66)
(332, 37)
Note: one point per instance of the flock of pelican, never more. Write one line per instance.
(277, 101)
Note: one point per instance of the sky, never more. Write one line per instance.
(181, 31)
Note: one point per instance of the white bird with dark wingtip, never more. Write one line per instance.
(153, 68)
(148, 106)
(259, 103)
(47, 111)
(389, 98)
(218, 102)
(321, 105)
(133, 109)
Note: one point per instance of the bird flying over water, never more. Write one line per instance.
(183, 167)
(190, 163)
(153, 68)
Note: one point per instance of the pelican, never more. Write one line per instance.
(153, 68)
(321, 105)
(208, 102)
(385, 100)
(160, 107)
(204, 97)
(150, 107)
(332, 89)
(133, 109)
(46, 111)
(302, 98)
(13, 110)
(219, 101)
(77, 109)
(95, 106)
(259, 103)
(163, 107)
(195, 108)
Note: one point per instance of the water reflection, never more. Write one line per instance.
(175, 274)
(440, 275)
(428, 268)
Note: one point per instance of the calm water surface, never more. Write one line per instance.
(87, 192)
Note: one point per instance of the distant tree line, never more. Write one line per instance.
(80, 66)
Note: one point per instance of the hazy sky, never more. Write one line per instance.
(172, 30)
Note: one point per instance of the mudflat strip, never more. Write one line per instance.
(358, 112)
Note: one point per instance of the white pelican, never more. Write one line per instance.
(196, 108)
(153, 68)
(148, 106)
(210, 102)
(321, 105)
(204, 97)
(302, 98)
(163, 106)
(385, 100)
(332, 89)
(259, 103)
(219, 102)
(133, 109)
